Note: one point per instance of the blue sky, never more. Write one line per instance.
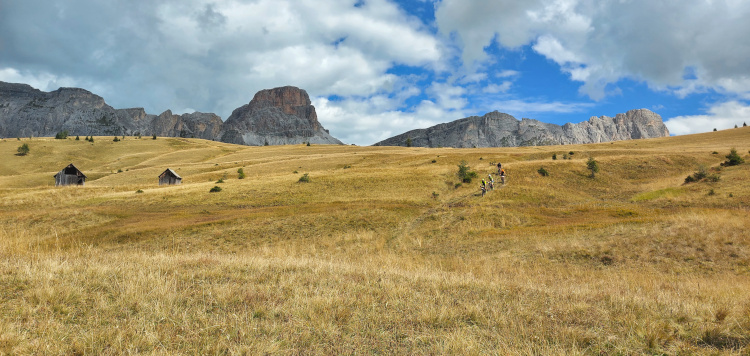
(377, 68)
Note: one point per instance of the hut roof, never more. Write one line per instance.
(71, 169)
(170, 172)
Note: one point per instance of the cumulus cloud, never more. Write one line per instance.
(720, 116)
(210, 55)
(600, 43)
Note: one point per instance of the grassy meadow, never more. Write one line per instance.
(380, 252)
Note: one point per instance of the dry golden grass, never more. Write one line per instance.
(379, 253)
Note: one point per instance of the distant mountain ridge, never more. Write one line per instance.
(497, 129)
(276, 116)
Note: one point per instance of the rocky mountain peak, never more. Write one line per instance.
(283, 115)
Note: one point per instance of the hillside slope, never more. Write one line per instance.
(382, 251)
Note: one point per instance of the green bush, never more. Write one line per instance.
(78, 138)
(593, 166)
(62, 135)
(219, 181)
(464, 172)
(543, 172)
(701, 174)
(116, 139)
(733, 158)
(408, 142)
(215, 189)
(23, 149)
(153, 137)
(139, 191)
(554, 156)
(304, 179)
(240, 173)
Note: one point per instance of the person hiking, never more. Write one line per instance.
(499, 167)
(491, 181)
(502, 176)
(483, 186)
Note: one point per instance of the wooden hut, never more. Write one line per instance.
(169, 177)
(70, 175)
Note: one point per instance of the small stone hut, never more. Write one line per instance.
(169, 177)
(70, 175)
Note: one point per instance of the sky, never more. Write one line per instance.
(377, 68)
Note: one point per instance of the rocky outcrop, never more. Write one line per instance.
(276, 117)
(496, 129)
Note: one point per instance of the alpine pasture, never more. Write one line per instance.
(381, 251)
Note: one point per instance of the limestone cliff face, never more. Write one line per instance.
(276, 116)
(496, 129)
(25, 111)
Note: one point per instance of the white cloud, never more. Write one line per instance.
(370, 120)
(600, 43)
(495, 88)
(211, 55)
(519, 108)
(40, 80)
(720, 116)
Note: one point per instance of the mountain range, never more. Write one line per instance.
(497, 129)
(276, 116)
(285, 115)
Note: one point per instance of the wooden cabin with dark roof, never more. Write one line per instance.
(169, 177)
(70, 175)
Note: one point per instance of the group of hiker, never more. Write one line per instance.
(490, 182)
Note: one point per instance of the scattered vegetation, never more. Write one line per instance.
(465, 174)
(23, 149)
(116, 139)
(153, 137)
(554, 156)
(543, 172)
(215, 189)
(78, 138)
(139, 191)
(304, 179)
(408, 142)
(220, 181)
(62, 135)
(240, 173)
(593, 166)
(733, 158)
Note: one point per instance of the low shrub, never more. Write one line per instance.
(61, 135)
(215, 189)
(23, 149)
(240, 173)
(464, 172)
(304, 179)
(139, 191)
(733, 158)
(543, 172)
